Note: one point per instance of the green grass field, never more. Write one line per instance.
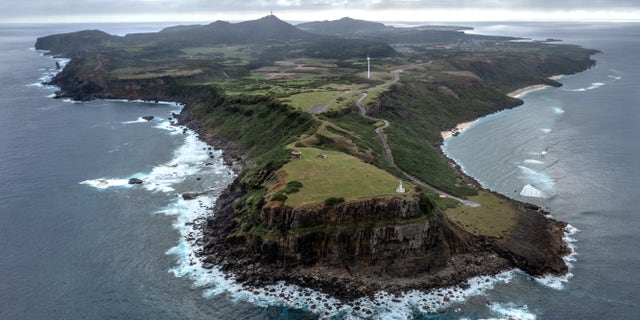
(339, 175)
(494, 218)
(307, 100)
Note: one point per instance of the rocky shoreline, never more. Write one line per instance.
(535, 246)
(451, 255)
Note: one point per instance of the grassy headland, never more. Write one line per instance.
(248, 88)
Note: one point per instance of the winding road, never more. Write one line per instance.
(387, 151)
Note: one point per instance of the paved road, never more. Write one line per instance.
(323, 107)
(389, 155)
(385, 146)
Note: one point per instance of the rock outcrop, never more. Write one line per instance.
(358, 248)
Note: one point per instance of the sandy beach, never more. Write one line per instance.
(459, 128)
(522, 91)
(515, 94)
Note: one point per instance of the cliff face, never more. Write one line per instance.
(392, 236)
(349, 250)
(358, 248)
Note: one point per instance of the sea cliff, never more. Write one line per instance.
(361, 246)
(355, 249)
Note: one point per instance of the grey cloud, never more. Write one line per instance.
(66, 7)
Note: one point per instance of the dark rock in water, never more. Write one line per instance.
(135, 181)
(190, 196)
(58, 65)
(208, 164)
(148, 118)
(207, 265)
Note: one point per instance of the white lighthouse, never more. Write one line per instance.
(400, 189)
(368, 67)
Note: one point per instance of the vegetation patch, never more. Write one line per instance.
(338, 175)
(494, 218)
(308, 100)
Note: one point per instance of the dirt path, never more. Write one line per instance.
(99, 66)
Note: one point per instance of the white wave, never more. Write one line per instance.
(189, 159)
(139, 120)
(537, 178)
(50, 73)
(512, 312)
(558, 110)
(615, 77)
(532, 161)
(557, 282)
(593, 86)
(545, 130)
(173, 129)
(382, 305)
(532, 192)
(104, 183)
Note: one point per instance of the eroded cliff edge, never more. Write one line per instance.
(355, 249)
(358, 247)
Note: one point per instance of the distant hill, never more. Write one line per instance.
(70, 44)
(343, 27)
(261, 31)
(375, 31)
(282, 39)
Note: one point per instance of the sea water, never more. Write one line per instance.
(573, 150)
(79, 242)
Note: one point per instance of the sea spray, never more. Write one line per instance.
(557, 282)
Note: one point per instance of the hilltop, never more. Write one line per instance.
(330, 216)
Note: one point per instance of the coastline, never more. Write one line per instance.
(568, 231)
(518, 94)
(457, 129)
(321, 282)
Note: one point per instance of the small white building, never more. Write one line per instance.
(400, 188)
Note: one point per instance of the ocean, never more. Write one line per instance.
(77, 241)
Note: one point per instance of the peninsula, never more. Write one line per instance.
(341, 184)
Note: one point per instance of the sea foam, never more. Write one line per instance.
(104, 183)
(593, 86)
(559, 281)
(537, 178)
(511, 311)
(139, 120)
(532, 161)
(532, 192)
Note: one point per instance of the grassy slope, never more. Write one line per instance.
(494, 218)
(339, 175)
(446, 87)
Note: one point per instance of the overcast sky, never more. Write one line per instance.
(309, 10)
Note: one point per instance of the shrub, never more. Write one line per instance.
(279, 196)
(292, 187)
(333, 201)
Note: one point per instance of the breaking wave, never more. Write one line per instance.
(557, 282)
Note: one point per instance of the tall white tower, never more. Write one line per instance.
(368, 67)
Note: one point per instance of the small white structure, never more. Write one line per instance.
(400, 189)
(368, 67)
